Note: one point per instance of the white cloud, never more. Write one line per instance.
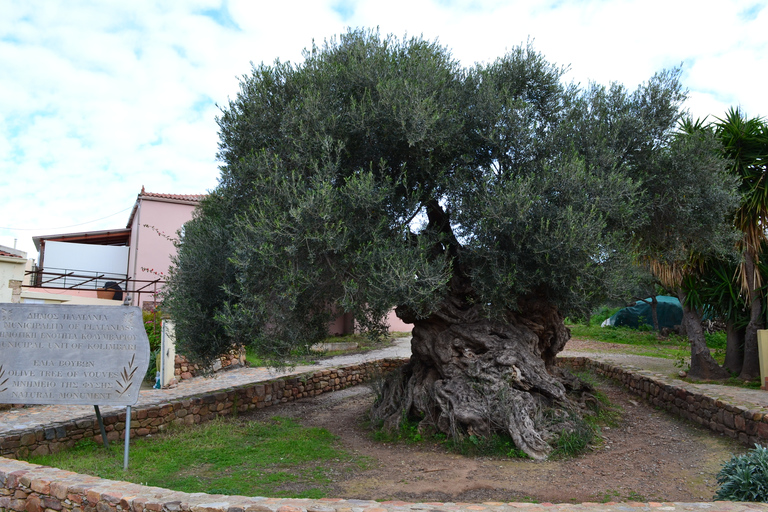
(98, 99)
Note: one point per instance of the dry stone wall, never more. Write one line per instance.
(26, 487)
(191, 410)
(747, 424)
(185, 369)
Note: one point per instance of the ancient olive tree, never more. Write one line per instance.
(483, 203)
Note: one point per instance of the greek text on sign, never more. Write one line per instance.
(80, 355)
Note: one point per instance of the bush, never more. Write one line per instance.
(152, 324)
(745, 477)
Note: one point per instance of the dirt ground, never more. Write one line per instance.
(648, 456)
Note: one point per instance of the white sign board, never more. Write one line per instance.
(67, 354)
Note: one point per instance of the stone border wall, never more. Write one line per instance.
(25, 487)
(185, 369)
(191, 410)
(749, 426)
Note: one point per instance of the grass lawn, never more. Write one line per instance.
(646, 342)
(278, 458)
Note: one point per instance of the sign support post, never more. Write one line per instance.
(101, 427)
(127, 448)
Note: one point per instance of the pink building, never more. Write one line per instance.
(75, 267)
(154, 224)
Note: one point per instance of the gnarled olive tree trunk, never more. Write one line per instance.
(472, 376)
(703, 365)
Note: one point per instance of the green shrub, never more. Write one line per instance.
(716, 340)
(153, 326)
(573, 442)
(745, 477)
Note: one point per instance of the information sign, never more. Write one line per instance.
(79, 355)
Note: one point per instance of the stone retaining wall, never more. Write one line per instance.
(749, 426)
(185, 369)
(191, 410)
(28, 488)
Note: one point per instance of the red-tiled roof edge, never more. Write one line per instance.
(178, 197)
(190, 198)
(10, 255)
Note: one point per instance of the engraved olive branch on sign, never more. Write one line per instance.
(124, 384)
(2, 372)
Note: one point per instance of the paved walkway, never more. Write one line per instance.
(756, 399)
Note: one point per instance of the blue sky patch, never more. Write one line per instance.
(750, 14)
(344, 8)
(221, 16)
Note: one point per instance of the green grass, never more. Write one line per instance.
(648, 343)
(585, 432)
(469, 446)
(640, 343)
(278, 457)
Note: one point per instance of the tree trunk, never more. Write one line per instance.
(703, 365)
(734, 347)
(751, 367)
(653, 303)
(472, 376)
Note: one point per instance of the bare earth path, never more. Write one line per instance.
(649, 456)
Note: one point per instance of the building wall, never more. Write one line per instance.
(87, 260)
(53, 296)
(397, 325)
(11, 268)
(153, 230)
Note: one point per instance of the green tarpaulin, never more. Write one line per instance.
(668, 309)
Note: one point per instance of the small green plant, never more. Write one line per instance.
(745, 477)
(495, 445)
(407, 433)
(574, 440)
(152, 324)
(683, 360)
(468, 445)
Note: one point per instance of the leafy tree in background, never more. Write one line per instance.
(745, 147)
(687, 195)
(689, 225)
(484, 203)
(732, 287)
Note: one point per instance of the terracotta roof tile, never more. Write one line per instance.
(10, 255)
(179, 197)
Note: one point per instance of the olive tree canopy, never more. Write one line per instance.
(484, 203)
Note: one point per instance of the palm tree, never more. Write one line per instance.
(745, 145)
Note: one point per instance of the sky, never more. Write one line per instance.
(99, 98)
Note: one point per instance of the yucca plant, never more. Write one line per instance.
(745, 477)
(745, 146)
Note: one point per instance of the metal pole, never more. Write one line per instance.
(101, 427)
(127, 437)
